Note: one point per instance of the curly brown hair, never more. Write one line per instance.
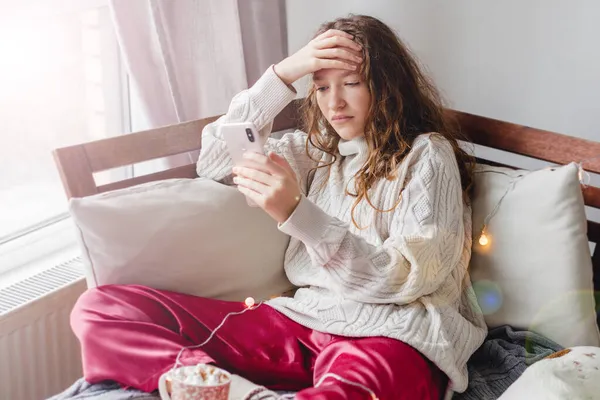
(404, 104)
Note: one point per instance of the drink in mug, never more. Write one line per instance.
(195, 382)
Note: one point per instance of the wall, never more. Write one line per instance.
(533, 62)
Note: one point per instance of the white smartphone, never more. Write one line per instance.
(241, 137)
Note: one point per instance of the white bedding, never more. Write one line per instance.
(574, 375)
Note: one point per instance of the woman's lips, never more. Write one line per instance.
(341, 119)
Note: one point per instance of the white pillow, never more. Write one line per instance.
(536, 272)
(573, 376)
(193, 236)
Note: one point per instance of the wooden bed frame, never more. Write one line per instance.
(77, 164)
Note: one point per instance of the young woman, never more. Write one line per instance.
(374, 196)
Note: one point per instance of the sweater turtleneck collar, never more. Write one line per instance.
(355, 146)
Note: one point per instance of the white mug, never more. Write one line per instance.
(181, 390)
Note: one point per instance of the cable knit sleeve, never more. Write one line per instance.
(260, 105)
(425, 241)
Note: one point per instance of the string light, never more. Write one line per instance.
(250, 305)
(249, 302)
(346, 381)
(212, 333)
(341, 379)
(483, 238)
(582, 174)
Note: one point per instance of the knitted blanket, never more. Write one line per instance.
(501, 359)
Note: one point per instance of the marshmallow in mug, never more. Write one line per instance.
(203, 375)
(178, 374)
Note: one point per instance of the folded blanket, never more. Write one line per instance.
(501, 359)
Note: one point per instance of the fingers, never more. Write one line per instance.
(334, 64)
(254, 175)
(250, 184)
(338, 41)
(262, 163)
(282, 162)
(256, 197)
(340, 54)
(266, 169)
(276, 193)
(335, 49)
(334, 32)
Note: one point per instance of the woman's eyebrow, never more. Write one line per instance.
(317, 77)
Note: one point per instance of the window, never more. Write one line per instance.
(61, 83)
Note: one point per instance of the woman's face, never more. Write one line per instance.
(344, 100)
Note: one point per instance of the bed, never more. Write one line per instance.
(77, 165)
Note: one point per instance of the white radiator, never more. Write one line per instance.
(39, 355)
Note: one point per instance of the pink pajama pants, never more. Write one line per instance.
(132, 335)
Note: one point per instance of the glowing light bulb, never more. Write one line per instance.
(483, 239)
(249, 302)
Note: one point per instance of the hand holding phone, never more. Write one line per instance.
(241, 137)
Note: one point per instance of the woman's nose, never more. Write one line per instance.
(336, 101)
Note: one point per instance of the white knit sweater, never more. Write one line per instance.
(404, 275)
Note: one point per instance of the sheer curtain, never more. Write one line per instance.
(60, 85)
(187, 58)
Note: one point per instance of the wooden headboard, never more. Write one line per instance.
(77, 164)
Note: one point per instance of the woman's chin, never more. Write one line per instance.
(348, 134)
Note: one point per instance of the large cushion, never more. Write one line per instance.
(194, 236)
(574, 376)
(536, 271)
